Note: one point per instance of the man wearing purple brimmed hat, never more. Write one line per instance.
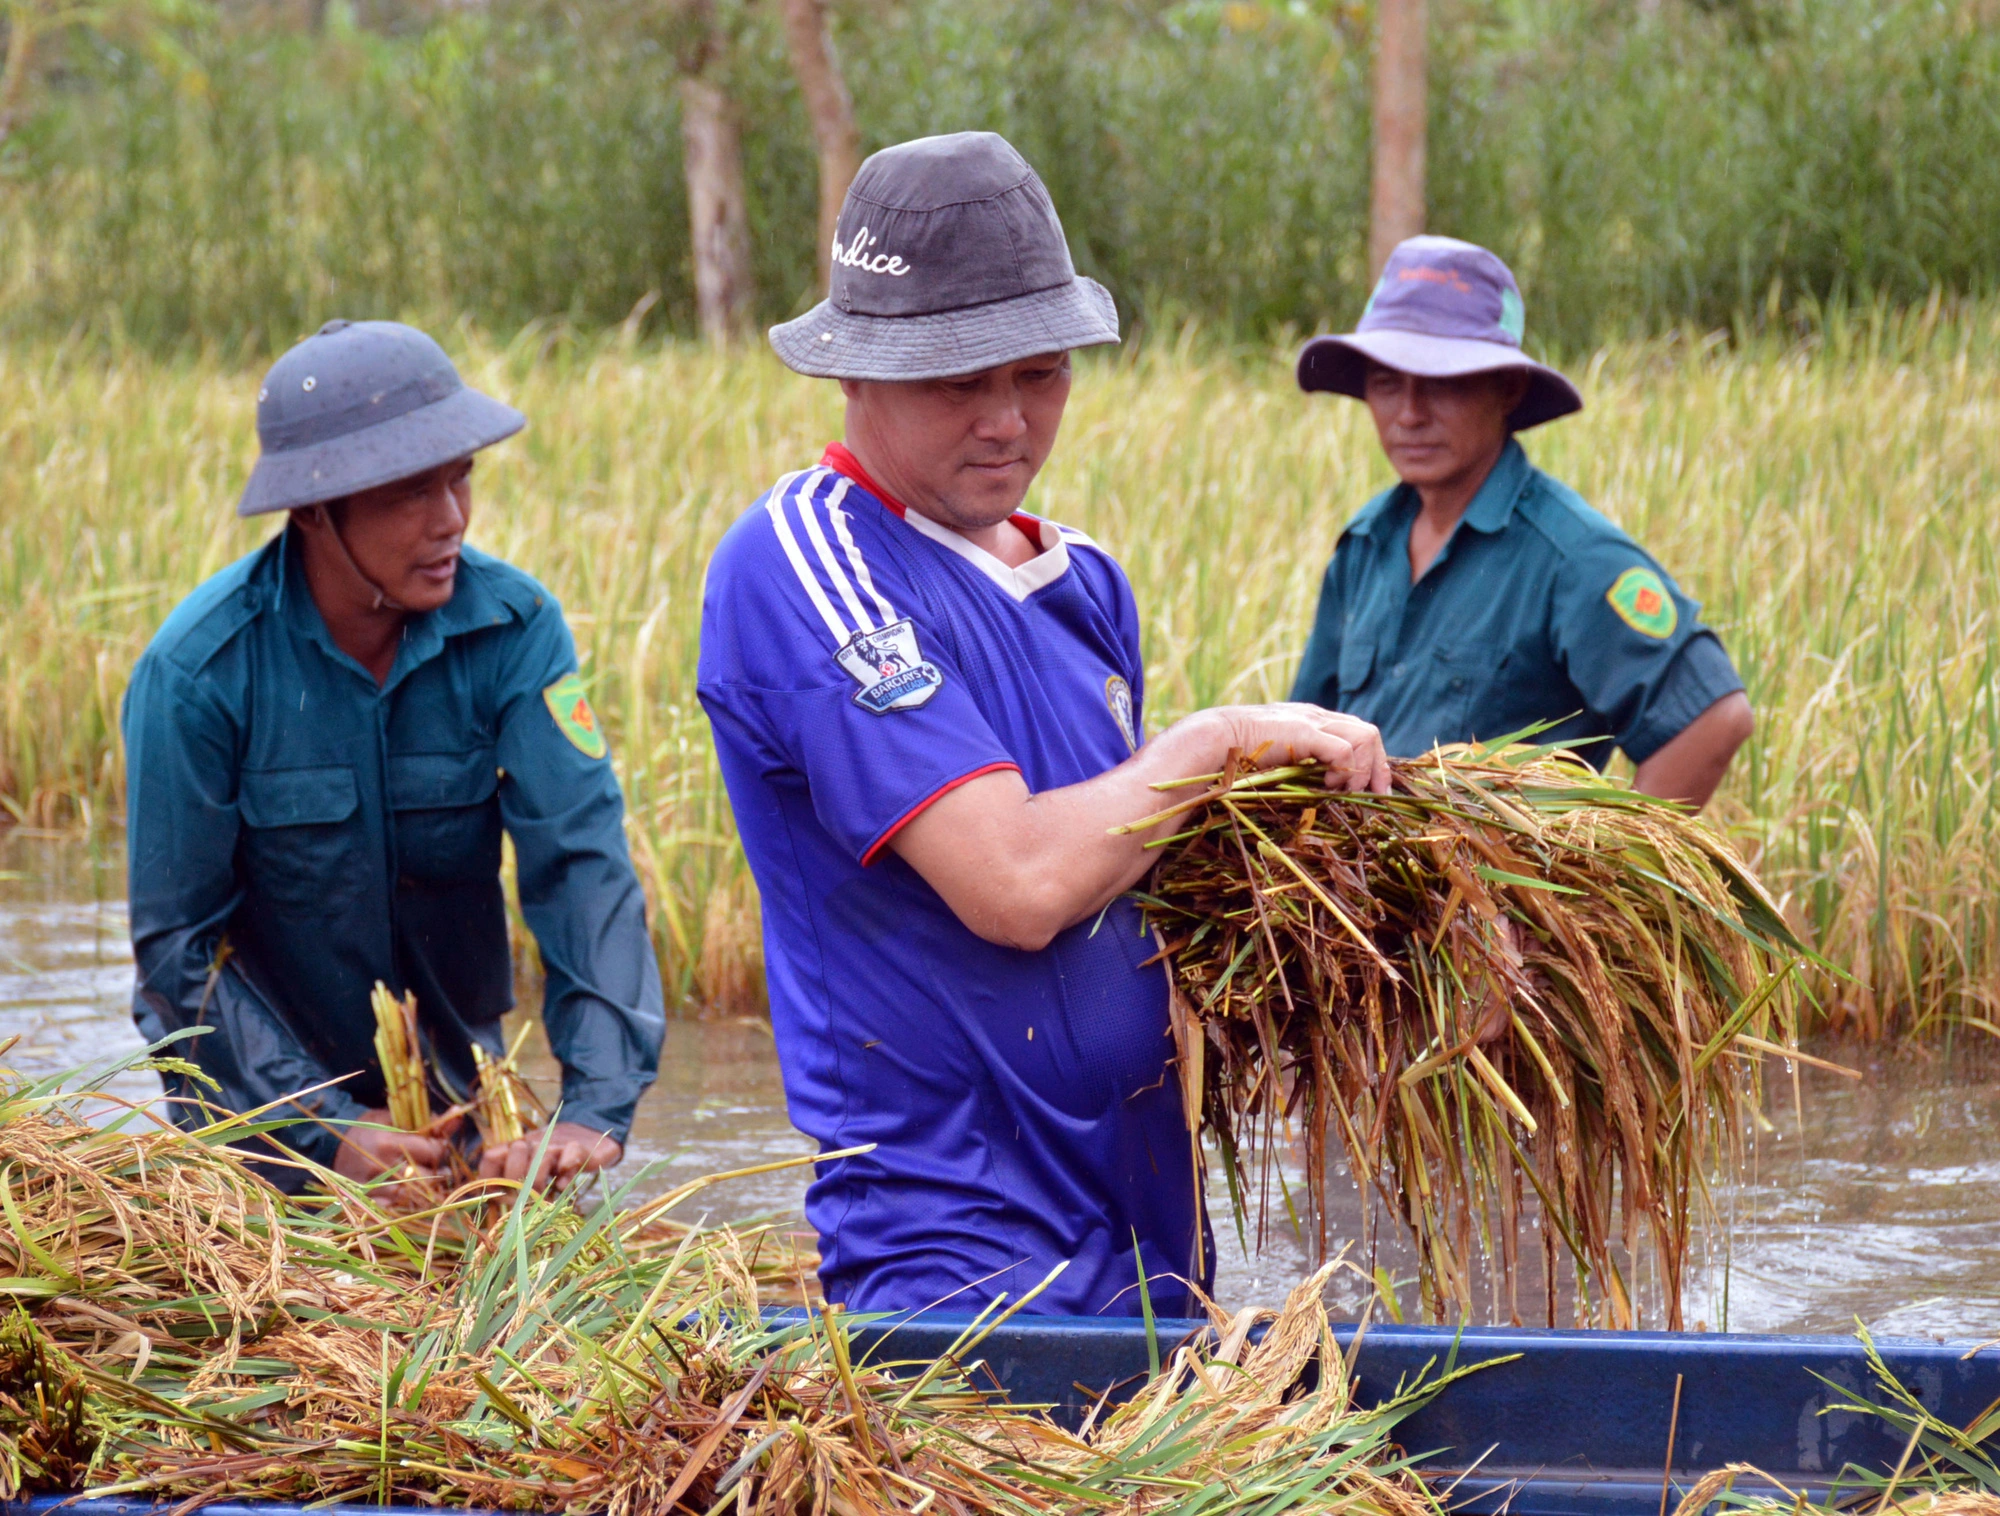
(928, 708)
(1479, 596)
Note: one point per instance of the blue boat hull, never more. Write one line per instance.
(1577, 1425)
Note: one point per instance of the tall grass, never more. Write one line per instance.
(1828, 498)
(520, 160)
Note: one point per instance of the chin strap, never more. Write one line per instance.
(383, 602)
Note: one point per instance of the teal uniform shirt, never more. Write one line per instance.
(1537, 609)
(297, 832)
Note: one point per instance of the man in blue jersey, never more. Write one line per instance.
(929, 710)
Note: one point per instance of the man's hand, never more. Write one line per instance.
(1017, 868)
(1269, 736)
(373, 1147)
(573, 1150)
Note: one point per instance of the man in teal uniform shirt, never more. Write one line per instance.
(324, 744)
(1480, 596)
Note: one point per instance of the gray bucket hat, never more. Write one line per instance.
(1441, 308)
(948, 259)
(362, 403)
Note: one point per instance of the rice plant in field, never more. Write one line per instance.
(1828, 499)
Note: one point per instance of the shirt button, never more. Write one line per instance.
(1396, 672)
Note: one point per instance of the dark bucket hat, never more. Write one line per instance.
(948, 258)
(362, 403)
(1441, 308)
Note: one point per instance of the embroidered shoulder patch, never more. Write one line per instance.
(891, 672)
(568, 704)
(1643, 604)
(1118, 695)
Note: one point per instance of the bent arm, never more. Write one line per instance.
(1016, 868)
(602, 1005)
(1693, 762)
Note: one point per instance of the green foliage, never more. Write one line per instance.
(225, 182)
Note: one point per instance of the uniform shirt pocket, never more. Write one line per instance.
(301, 837)
(1357, 664)
(446, 815)
(1456, 681)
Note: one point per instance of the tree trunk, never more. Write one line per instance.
(712, 142)
(14, 74)
(832, 113)
(1401, 107)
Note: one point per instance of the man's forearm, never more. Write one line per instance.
(1026, 865)
(1017, 868)
(1690, 766)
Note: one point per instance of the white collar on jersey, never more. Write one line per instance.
(1045, 568)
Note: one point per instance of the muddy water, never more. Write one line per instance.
(1882, 1206)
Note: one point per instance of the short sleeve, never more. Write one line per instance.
(1112, 591)
(1126, 617)
(1635, 647)
(819, 658)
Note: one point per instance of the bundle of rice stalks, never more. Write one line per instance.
(216, 1340)
(1233, 1425)
(503, 1107)
(1508, 972)
(399, 1049)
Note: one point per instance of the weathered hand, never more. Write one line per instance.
(573, 1150)
(1295, 732)
(373, 1147)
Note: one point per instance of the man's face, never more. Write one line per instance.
(963, 451)
(1435, 430)
(405, 535)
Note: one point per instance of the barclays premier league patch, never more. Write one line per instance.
(1643, 604)
(891, 672)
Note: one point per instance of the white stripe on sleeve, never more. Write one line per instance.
(861, 575)
(774, 504)
(809, 514)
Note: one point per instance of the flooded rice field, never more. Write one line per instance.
(1882, 1205)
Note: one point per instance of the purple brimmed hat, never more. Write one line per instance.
(1441, 308)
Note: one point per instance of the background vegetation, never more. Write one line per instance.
(1829, 498)
(219, 175)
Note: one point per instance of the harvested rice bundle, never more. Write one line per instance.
(399, 1049)
(1271, 1421)
(503, 1107)
(572, 1362)
(1509, 971)
(151, 1235)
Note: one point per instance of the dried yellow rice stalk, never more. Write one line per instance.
(401, 1054)
(503, 1107)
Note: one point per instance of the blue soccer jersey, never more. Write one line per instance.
(857, 662)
